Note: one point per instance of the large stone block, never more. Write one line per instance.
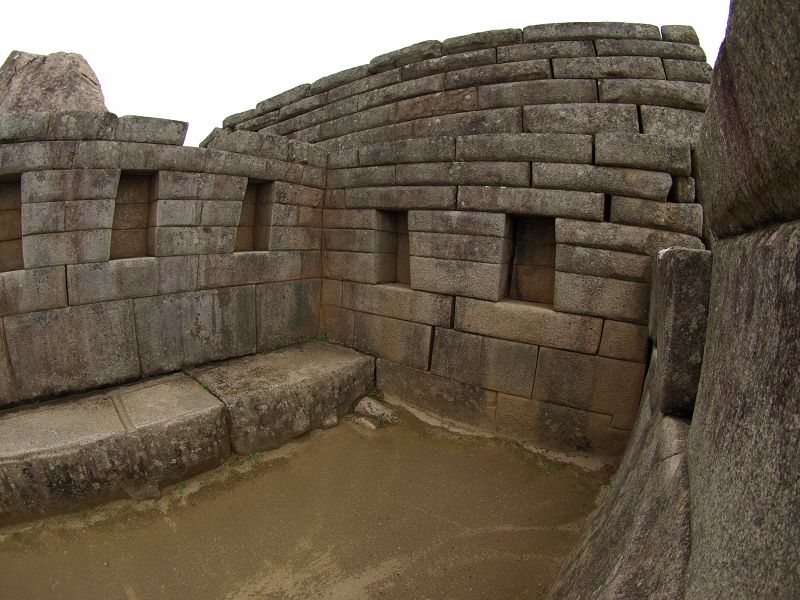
(563, 49)
(625, 341)
(497, 73)
(449, 399)
(521, 201)
(679, 305)
(178, 241)
(132, 128)
(22, 127)
(440, 103)
(464, 173)
(610, 180)
(638, 151)
(180, 330)
(675, 94)
(603, 263)
(360, 240)
(63, 185)
(482, 39)
(361, 177)
(275, 397)
(8, 385)
(580, 118)
(528, 323)
(367, 218)
(556, 426)
(56, 351)
(295, 238)
(402, 342)
(176, 185)
(398, 302)
(403, 197)
(287, 312)
(32, 290)
(593, 383)
(243, 268)
(748, 149)
(543, 91)
(400, 91)
(623, 238)
(404, 56)
(589, 31)
(454, 221)
(744, 459)
(688, 70)
(681, 218)
(359, 266)
(456, 246)
(34, 156)
(484, 362)
(532, 147)
(130, 278)
(502, 120)
(64, 248)
(601, 297)
(486, 281)
(624, 67)
(662, 49)
(363, 84)
(451, 62)
(408, 151)
(82, 125)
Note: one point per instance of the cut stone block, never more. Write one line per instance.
(440, 103)
(600, 67)
(662, 49)
(402, 342)
(444, 397)
(455, 246)
(22, 127)
(603, 263)
(175, 185)
(536, 147)
(520, 201)
(679, 305)
(624, 341)
(675, 94)
(358, 219)
(8, 385)
(638, 151)
(483, 39)
(580, 118)
(180, 330)
(502, 120)
(16, 158)
(132, 128)
(359, 266)
(408, 151)
(404, 56)
(680, 33)
(454, 221)
(542, 91)
(361, 177)
(688, 70)
(78, 184)
(243, 268)
(82, 125)
(398, 302)
(275, 397)
(464, 173)
(684, 125)
(56, 351)
(624, 238)
(287, 312)
(65, 248)
(610, 180)
(360, 240)
(681, 218)
(486, 281)
(179, 241)
(589, 31)
(497, 73)
(534, 50)
(601, 297)
(32, 290)
(528, 323)
(403, 198)
(451, 62)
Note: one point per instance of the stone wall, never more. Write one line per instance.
(493, 205)
(125, 254)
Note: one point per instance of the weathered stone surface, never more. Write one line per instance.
(683, 190)
(329, 82)
(57, 351)
(624, 238)
(485, 362)
(178, 241)
(543, 91)
(444, 397)
(66, 248)
(550, 203)
(364, 84)
(404, 56)
(684, 34)
(601, 297)
(403, 197)
(82, 125)
(64, 185)
(295, 238)
(464, 173)
(454, 221)
(679, 308)
(408, 151)
(676, 94)
(682, 124)
(544, 50)
(621, 67)
(363, 267)
(175, 185)
(610, 180)
(440, 103)
(55, 82)
(580, 118)
(130, 278)
(637, 544)
(532, 147)
(475, 248)
(503, 120)
(402, 342)
(459, 277)
(8, 385)
(638, 151)
(398, 302)
(34, 156)
(400, 91)
(589, 31)
(360, 240)
(361, 177)
(625, 341)
(186, 329)
(603, 263)
(275, 397)
(367, 218)
(377, 412)
(592, 383)
(32, 290)
(682, 218)
(559, 427)
(452, 62)
(661, 49)
(284, 98)
(132, 128)
(286, 313)
(497, 73)
(744, 460)
(688, 70)
(483, 39)
(528, 323)
(21, 127)
(743, 155)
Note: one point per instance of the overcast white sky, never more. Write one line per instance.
(200, 61)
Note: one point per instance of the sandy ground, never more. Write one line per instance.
(409, 511)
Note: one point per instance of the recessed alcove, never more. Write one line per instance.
(532, 268)
(255, 222)
(10, 226)
(131, 215)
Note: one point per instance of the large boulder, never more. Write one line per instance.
(57, 82)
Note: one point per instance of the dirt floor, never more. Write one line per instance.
(409, 511)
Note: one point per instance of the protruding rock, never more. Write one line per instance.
(56, 82)
(377, 412)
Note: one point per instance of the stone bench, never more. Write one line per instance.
(130, 440)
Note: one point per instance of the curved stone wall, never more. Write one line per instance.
(493, 205)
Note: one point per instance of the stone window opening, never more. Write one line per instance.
(132, 211)
(532, 261)
(255, 221)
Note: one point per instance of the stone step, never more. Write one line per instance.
(131, 440)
